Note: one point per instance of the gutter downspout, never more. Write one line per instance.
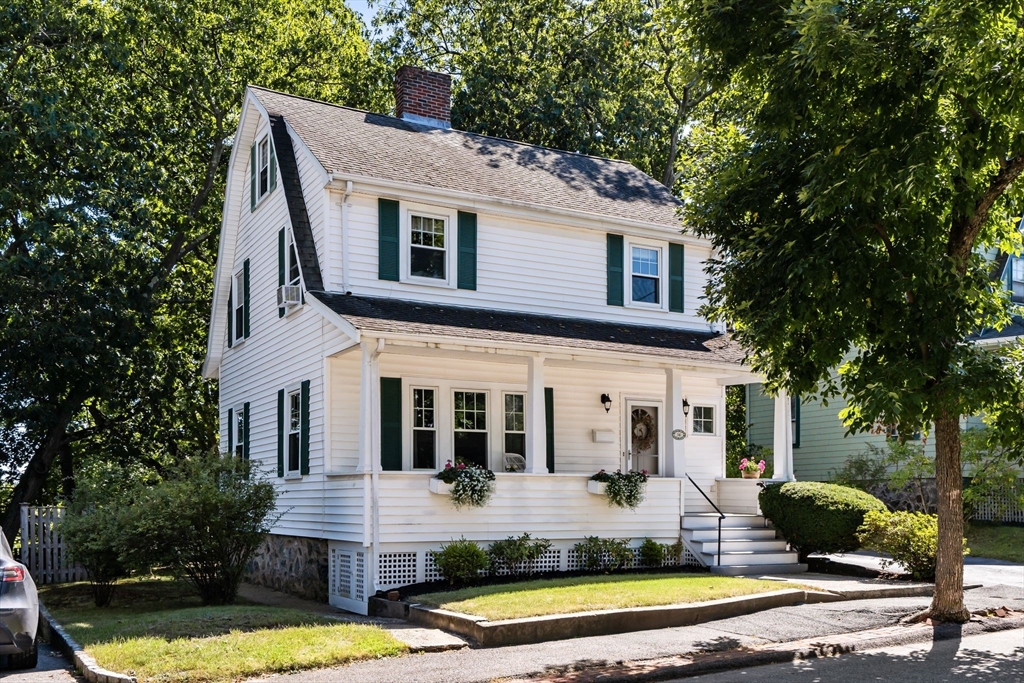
(344, 237)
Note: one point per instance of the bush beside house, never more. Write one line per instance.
(816, 517)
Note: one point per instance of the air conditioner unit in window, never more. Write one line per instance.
(289, 295)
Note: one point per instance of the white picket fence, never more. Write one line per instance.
(43, 550)
(1004, 508)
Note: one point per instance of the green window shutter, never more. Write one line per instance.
(796, 421)
(390, 423)
(252, 177)
(387, 239)
(231, 432)
(467, 250)
(280, 433)
(280, 265)
(304, 429)
(675, 278)
(245, 300)
(273, 165)
(549, 426)
(245, 432)
(615, 281)
(231, 314)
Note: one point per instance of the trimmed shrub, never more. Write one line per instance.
(912, 538)
(597, 554)
(652, 553)
(517, 555)
(92, 532)
(815, 517)
(460, 561)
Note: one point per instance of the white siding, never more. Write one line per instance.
(279, 353)
(521, 266)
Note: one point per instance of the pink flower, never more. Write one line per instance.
(643, 472)
(760, 465)
(448, 465)
(743, 463)
(462, 466)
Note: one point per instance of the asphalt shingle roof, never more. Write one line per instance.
(349, 141)
(1014, 329)
(398, 316)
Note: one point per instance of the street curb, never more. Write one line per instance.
(61, 641)
(782, 653)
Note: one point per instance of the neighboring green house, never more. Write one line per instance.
(820, 447)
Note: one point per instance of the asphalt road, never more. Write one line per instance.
(986, 658)
(976, 569)
(52, 669)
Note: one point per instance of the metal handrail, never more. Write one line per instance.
(721, 516)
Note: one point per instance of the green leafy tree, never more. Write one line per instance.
(605, 78)
(116, 125)
(851, 192)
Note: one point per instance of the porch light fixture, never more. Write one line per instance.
(686, 408)
(606, 401)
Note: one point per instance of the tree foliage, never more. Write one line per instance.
(853, 193)
(116, 125)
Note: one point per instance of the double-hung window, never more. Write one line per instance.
(239, 430)
(703, 419)
(515, 428)
(424, 429)
(428, 247)
(645, 265)
(263, 166)
(470, 427)
(293, 405)
(1017, 278)
(239, 306)
(292, 264)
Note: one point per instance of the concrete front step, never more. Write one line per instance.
(746, 557)
(752, 533)
(734, 545)
(757, 570)
(732, 521)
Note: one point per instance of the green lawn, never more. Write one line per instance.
(996, 542)
(158, 630)
(585, 593)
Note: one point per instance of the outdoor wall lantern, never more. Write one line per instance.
(686, 408)
(606, 401)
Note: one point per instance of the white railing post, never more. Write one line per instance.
(536, 422)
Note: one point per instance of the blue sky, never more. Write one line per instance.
(363, 8)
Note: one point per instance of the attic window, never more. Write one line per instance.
(1017, 278)
(293, 261)
(263, 164)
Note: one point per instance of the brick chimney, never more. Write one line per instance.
(423, 96)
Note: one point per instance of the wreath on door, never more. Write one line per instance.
(644, 430)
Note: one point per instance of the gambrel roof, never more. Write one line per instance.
(349, 142)
(396, 316)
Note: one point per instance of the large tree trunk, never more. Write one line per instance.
(948, 603)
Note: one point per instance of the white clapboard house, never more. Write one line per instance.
(392, 294)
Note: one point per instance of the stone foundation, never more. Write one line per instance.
(291, 564)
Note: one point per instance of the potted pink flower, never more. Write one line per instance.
(750, 469)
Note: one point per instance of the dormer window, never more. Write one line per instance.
(1017, 278)
(427, 246)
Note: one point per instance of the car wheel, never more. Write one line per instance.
(24, 660)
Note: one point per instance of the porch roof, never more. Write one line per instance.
(398, 316)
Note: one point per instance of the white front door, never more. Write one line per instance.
(643, 431)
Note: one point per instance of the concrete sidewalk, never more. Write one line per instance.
(780, 625)
(977, 570)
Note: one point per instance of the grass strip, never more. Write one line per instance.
(587, 593)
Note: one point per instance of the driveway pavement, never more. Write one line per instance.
(987, 658)
(52, 669)
(976, 569)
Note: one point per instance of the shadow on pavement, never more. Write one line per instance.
(52, 669)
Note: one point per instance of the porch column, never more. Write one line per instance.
(536, 422)
(369, 407)
(783, 438)
(675, 451)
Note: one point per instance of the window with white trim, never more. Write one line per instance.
(294, 407)
(645, 266)
(239, 304)
(239, 427)
(703, 419)
(263, 167)
(424, 429)
(291, 272)
(515, 424)
(428, 246)
(470, 427)
(1017, 277)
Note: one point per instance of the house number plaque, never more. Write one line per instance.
(678, 434)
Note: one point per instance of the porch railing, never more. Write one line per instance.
(721, 516)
